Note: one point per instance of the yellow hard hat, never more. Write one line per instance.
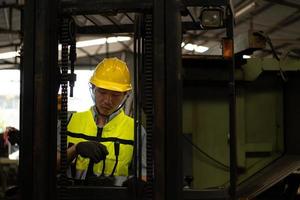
(112, 74)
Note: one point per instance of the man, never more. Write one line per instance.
(11, 135)
(101, 139)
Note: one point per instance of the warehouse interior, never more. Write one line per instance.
(215, 86)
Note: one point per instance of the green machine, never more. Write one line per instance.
(267, 130)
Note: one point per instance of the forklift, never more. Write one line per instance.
(168, 88)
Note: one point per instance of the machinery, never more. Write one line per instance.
(242, 144)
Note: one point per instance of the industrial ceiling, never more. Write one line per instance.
(277, 19)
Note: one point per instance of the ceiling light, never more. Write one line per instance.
(80, 44)
(182, 44)
(88, 43)
(246, 56)
(123, 38)
(11, 54)
(201, 49)
(189, 47)
(112, 40)
(194, 47)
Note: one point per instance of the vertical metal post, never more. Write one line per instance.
(148, 97)
(173, 101)
(38, 101)
(159, 181)
(167, 100)
(137, 94)
(232, 107)
(135, 59)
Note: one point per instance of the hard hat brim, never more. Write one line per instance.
(111, 86)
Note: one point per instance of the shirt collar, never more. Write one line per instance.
(110, 117)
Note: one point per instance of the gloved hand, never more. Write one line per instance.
(93, 150)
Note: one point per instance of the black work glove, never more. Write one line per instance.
(93, 150)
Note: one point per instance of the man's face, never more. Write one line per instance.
(107, 101)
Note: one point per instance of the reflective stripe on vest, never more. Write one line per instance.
(82, 127)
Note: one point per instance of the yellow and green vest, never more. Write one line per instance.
(82, 127)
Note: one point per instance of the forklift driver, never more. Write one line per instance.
(101, 139)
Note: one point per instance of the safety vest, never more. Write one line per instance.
(120, 129)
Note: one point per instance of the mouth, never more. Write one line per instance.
(105, 108)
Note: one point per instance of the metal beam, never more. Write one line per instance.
(159, 128)
(284, 3)
(254, 13)
(269, 176)
(292, 18)
(93, 19)
(106, 29)
(125, 28)
(205, 2)
(94, 57)
(76, 7)
(9, 31)
(94, 192)
(173, 101)
(167, 100)
(38, 101)
(10, 45)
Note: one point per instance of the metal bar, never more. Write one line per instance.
(272, 174)
(159, 127)
(27, 106)
(125, 28)
(107, 49)
(105, 29)
(75, 7)
(38, 101)
(232, 108)
(148, 100)
(5, 31)
(138, 99)
(16, 6)
(10, 45)
(93, 19)
(10, 18)
(284, 3)
(255, 12)
(135, 38)
(127, 47)
(173, 101)
(205, 2)
(212, 194)
(292, 18)
(113, 22)
(128, 17)
(94, 57)
(93, 192)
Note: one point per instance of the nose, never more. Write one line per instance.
(108, 98)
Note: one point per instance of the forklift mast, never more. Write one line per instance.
(157, 29)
